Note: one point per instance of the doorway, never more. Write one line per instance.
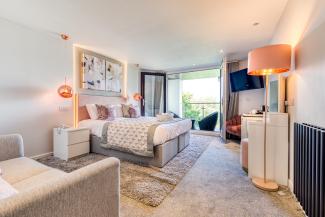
(153, 90)
(196, 95)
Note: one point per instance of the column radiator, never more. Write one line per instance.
(309, 168)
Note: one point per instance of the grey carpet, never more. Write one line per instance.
(217, 186)
(73, 164)
(149, 185)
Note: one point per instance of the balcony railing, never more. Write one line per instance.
(199, 110)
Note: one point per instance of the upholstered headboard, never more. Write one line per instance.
(91, 99)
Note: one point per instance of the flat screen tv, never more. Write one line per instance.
(240, 81)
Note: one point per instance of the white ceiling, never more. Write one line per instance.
(157, 34)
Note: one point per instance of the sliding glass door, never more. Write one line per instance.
(153, 90)
(196, 95)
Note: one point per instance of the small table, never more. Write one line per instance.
(70, 142)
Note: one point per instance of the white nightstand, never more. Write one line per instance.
(70, 142)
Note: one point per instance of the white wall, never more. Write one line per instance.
(33, 65)
(249, 99)
(302, 26)
(133, 81)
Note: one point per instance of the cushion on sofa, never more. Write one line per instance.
(18, 169)
(6, 190)
(38, 180)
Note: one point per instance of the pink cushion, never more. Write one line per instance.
(104, 113)
(83, 113)
(133, 112)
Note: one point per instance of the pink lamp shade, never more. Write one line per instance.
(273, 59)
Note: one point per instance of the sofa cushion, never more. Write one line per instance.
(6, 190)
(38, 180)
(18, 169)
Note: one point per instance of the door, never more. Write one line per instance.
(153, 90)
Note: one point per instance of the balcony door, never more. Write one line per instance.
(196, 95)
(153, 90)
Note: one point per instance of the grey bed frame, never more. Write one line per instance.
(162, 153)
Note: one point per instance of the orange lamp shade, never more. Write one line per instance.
(65, 91)
(273, 59)
(137, 97)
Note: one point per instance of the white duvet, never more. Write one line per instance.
(163, 133)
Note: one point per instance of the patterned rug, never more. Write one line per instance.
(149, 185)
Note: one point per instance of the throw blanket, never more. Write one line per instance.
(133, 135)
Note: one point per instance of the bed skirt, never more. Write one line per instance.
(162, 153)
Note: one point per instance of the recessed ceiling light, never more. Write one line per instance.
(256, 24)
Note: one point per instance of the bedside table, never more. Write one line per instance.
(70, 142)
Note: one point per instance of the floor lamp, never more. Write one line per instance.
(265, 61)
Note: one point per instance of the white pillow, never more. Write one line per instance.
(164, 117)
(117, 110)
(92, 111)
(6, 190)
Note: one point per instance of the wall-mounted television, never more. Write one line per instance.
(240, 81)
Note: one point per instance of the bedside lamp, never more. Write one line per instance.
(137, 96)
(265, 61)
(65, 90)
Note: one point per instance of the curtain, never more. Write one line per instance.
(233, 97)
(154, 94)
(158, 95)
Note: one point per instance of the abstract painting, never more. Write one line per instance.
(93, 73)
(113, 77)
(101, 73)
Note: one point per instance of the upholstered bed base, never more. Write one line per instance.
(162, 153)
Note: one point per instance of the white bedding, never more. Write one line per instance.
(163, 133)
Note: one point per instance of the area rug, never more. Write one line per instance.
(149, 185)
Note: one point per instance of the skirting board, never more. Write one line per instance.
(290, 183)
(41, 155)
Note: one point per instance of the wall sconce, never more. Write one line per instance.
(137, 96)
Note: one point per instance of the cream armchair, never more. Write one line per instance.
(92, 191)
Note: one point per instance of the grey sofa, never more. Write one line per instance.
(92, 191)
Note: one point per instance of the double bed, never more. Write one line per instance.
(143, 140)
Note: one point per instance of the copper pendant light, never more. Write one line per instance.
(65, 90)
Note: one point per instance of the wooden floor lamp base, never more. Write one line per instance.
(266, 186)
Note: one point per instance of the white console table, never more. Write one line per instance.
(245, 118)
(277, 147)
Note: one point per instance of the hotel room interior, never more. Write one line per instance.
(162, 108)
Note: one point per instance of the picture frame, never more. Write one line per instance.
(99, 74)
